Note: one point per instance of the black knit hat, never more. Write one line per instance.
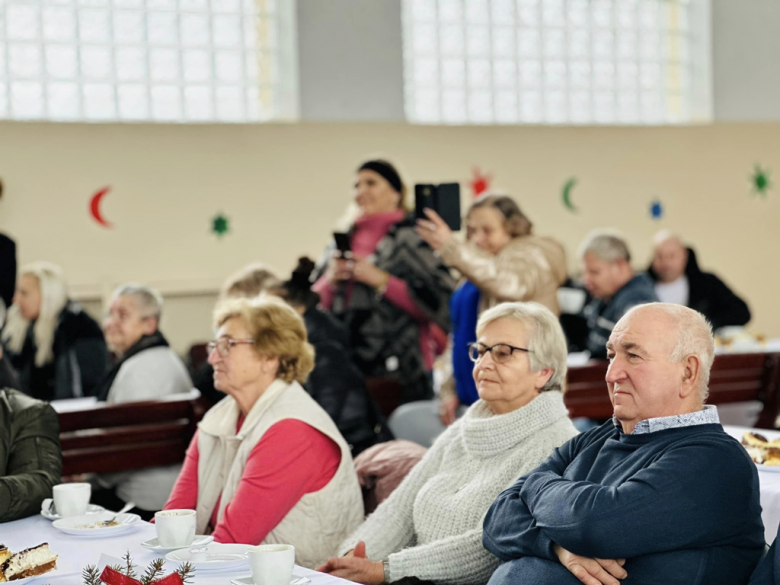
(386, 170)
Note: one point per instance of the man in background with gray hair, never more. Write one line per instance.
(658, 494)
(146, 368)
(610, 280)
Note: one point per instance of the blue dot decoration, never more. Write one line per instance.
(656, 210)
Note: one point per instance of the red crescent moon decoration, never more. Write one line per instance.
(94, 206)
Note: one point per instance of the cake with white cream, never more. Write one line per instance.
(29, 563)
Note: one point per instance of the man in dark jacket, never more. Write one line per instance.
(678, 279)
(608, 277)
(658, 494)
(30, 456)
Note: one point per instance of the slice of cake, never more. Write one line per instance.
(4, 554)
(29, 563)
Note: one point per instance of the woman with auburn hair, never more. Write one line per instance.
(267, 464)
(56, 348)
(500, 261)
(391, 290)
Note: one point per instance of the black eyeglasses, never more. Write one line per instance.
(501, 352)
(224, 344)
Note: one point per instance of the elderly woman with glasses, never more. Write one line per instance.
(431, 526)
(267, 464)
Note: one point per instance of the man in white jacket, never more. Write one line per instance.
(146, 369)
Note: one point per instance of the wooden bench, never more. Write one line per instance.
(135, 435)
(734, 378)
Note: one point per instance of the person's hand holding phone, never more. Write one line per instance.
(339, 269)
(434, 231)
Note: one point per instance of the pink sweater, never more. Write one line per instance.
(291, 460)
(369, 231)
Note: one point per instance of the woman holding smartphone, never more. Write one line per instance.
(390, 290)
(500, 261)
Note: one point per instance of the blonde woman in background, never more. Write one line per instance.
(501, 260)
(56, 348)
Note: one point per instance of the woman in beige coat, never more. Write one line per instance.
(501, 261)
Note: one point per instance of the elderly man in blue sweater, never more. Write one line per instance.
(659, 494)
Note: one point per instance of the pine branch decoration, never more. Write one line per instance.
(186, 571)
(153, 571)
(91, 575)
(129, 571)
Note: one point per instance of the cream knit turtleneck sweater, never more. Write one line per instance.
(431, 525)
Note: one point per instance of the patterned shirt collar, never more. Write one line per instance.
(707, 416)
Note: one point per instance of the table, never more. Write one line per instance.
(770, 484)
(77, 552)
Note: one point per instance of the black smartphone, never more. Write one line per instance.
(448, 204)
(444, 199)
(423, 197)
(342, 244)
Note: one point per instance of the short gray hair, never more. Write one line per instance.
(694, 337)
(606, 245)
(149, 300)
(546, 341)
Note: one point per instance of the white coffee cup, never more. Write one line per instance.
(272, 564)
(71, 499)
(175, 528)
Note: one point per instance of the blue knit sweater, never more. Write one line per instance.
(681, 505)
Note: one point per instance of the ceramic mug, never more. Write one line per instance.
(71, 499)
(175, 528)
(272, 564)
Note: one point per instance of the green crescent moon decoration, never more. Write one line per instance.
(220, 225)
(760, 181)
(566, 194)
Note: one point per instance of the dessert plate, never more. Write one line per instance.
(89, 526)
(769, 468)
(217, 557)
(154, 544)
(46, 510)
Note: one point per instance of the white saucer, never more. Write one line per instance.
(296, 580)
(91, 509)
(154, 545)
(219, 557)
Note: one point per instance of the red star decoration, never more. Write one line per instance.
(480, 183)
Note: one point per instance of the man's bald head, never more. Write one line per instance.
(670, 256)
(691, 331)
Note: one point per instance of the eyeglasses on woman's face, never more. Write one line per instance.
(500, 352)
(223, 345)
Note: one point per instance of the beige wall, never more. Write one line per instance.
(284, 187)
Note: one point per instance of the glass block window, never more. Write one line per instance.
(147, 60)
(556, 61)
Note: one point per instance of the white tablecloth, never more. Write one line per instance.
(78, 552)
(770, 484)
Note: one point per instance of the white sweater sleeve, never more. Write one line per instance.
(391, 527)
(456, 560)
(149, 375)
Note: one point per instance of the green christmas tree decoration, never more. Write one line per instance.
(220, 225)
(760, 181)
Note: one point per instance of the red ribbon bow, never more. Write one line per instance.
(110, 576)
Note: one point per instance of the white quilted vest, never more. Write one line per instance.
(319, 521)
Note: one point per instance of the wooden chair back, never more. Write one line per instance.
(134, 435)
